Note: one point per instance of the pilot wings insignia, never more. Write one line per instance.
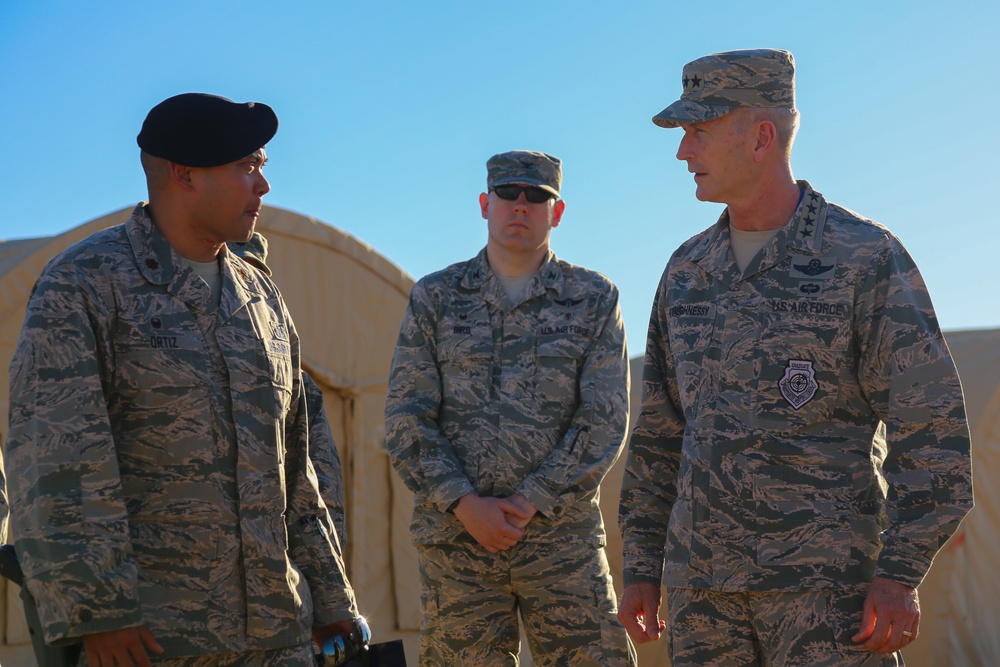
(814, 268)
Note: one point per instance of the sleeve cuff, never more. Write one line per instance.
(910, 571)
(448, 493)
(541, 497)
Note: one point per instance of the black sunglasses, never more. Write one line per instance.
(531, 193)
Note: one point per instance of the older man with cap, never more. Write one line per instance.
(802, 450)
(159, 480)
(508, 402)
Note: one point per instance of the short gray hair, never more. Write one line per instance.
(786, 122)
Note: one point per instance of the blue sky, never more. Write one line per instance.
(389, 110)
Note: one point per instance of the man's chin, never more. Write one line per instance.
(702, 195)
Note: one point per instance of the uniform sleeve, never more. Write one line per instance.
(4, 507)
(69, 515)
(422, 456)
(577, 464)
(325, 458)
(313, 542)
(910, 382)
(649, 486)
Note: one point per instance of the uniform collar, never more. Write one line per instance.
(809, 222)
(803, 233)
(160, 264)
(478, 275)
(157, 261)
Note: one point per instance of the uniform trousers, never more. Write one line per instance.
(291, 656)
(564, 594)
(801, 629)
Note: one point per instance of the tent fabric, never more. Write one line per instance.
(347, 301)
(960, 597)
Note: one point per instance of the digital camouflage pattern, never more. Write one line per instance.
(142, 492)
(322, 447)
(4, 508)
(497, 399)
(565, 595)
(293, 656)
(254, 251)
(525, 168)
(716, 84)
(324, 456)
(712, 629)
(802, 423)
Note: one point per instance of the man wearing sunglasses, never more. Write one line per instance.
(802, 450)
(508, 402)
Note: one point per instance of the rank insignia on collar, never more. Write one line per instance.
(798, 385)
(279, 331)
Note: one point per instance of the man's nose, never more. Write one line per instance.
(263, 187)
(684, 149)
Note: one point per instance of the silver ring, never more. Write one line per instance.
(907, 633)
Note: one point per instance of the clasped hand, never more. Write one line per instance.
(495, 523)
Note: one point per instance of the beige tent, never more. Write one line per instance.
(347, 302)
(960, 598)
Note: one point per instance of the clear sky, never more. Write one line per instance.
(389, 110)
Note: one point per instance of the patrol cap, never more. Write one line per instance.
(525, 168)
(253, 251)
(202, 130)
(719, 83)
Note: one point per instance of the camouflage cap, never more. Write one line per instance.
(253, 251)
(716, 84)
(525, 168)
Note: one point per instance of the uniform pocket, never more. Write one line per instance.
(279, 369)
(691, 332)
(175, 555)
(803, 516)
(159, 380)
(465, 364)
(798, 366)
(616, 646)
(557, 371)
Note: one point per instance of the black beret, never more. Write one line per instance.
(202, 130)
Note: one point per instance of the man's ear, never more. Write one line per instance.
(484, 205)
(557, 212)
(181, 175)
(767, 139)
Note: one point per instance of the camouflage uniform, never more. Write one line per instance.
(322, 447)
(4, 508)
(802, 424)
(143, 492)
(325, 458)
(496, 400)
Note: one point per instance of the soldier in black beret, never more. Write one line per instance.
(201, 150)
(161, 493)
